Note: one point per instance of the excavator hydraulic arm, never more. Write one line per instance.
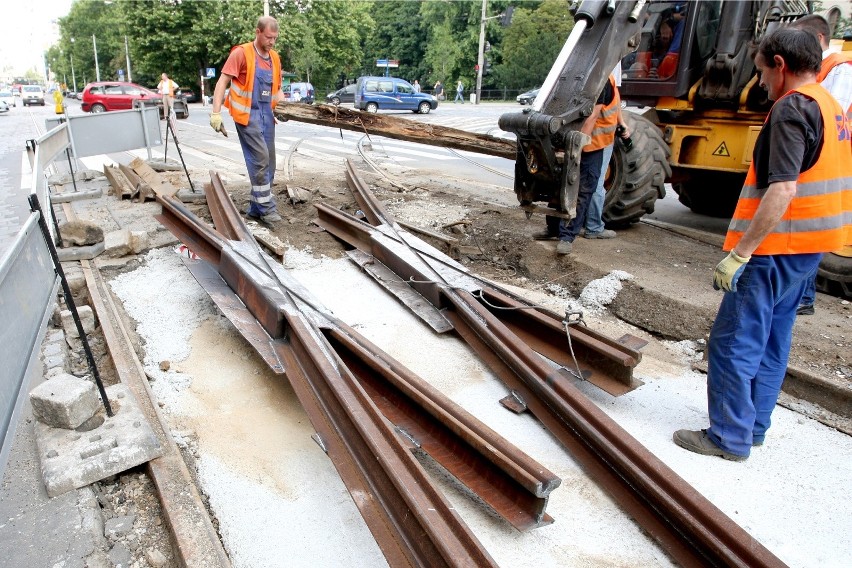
(547, 167)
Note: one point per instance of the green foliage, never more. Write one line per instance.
(322, 41)
(531, 44)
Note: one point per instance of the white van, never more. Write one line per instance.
(32, 95)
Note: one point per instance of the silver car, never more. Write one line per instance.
(8, 98)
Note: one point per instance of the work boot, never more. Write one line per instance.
(270, 217)
(544, 235)
(564, 247)
(605, 234)
(805, 310)
(697, 441)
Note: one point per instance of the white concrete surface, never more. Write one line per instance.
(274, 491)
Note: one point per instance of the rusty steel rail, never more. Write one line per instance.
(687, 525)
(371, 414)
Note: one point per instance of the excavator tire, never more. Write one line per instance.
(711, 193)
(635, 179)
(834, 275)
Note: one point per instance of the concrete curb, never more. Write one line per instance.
(805, 385)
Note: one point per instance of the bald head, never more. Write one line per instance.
(267, 23)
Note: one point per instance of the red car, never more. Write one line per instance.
(114, 95)
(118, 95)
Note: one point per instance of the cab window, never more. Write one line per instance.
(403, 88)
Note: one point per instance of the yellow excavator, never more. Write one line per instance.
(688, 66)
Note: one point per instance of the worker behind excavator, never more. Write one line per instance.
(253, 71)
(600, 126)
(793, 207)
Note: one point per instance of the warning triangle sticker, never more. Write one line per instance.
(722, 150)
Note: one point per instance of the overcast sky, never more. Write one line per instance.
(27, 29)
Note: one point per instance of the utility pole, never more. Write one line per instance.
(127, 55)
(97, 68)
(480, 59)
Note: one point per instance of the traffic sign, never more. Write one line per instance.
(387, 62)
(210, 72)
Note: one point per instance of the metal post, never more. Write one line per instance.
(127, 56)
(97, 68)
(73, 76)
(69, 301)
(480, 59)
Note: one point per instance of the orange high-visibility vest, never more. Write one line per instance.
(603, 133)
(829, 63)
(238, 101)
(819, 218)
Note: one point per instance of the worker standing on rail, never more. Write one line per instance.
(794, 206)
(253, 71)
(836, 76)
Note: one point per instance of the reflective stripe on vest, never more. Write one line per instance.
(238, 101)
(819, 218)
(829, 63)
(603, 134)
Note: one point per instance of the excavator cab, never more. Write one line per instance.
(674, 44)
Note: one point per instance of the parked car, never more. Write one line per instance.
(188, 94)
(344, 95)
(32, 95)
(4, 106)
(7, 97)
(299, 92)
(119, 95)
(391, 93)
(527, 98)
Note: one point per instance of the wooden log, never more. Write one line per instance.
(121, 186)
(160, 185)
(397, 128)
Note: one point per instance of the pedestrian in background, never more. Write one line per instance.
(459, 93)
(253, 71)
(416, 86)
(790, 211)
(166, 87)
(439, 91)
(836, 76)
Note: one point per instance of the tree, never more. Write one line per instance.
(400, 35)
(532, 43)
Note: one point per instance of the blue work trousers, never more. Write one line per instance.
(590, 172)
(809, 296)
(594, 216)
(257, 139)
(749, 346)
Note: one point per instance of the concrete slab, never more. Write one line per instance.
(71, 458)
(80, 253)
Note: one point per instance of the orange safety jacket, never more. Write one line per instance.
(238, 101)
(603, 134)
(819, 218)
(829, 63)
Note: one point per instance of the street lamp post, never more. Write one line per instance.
(73, 77)
(127, 56)
(97, 68)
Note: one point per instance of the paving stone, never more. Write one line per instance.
(119, 526)
(64, 401)
(87, 318)
(117, 243)
(56, 361)
(119, 555)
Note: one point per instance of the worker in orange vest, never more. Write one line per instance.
(794, 206)
(253, 71)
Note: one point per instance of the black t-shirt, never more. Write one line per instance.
(606, 95)
(790, 141)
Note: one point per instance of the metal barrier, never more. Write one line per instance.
(28, 279)
(28, 286)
